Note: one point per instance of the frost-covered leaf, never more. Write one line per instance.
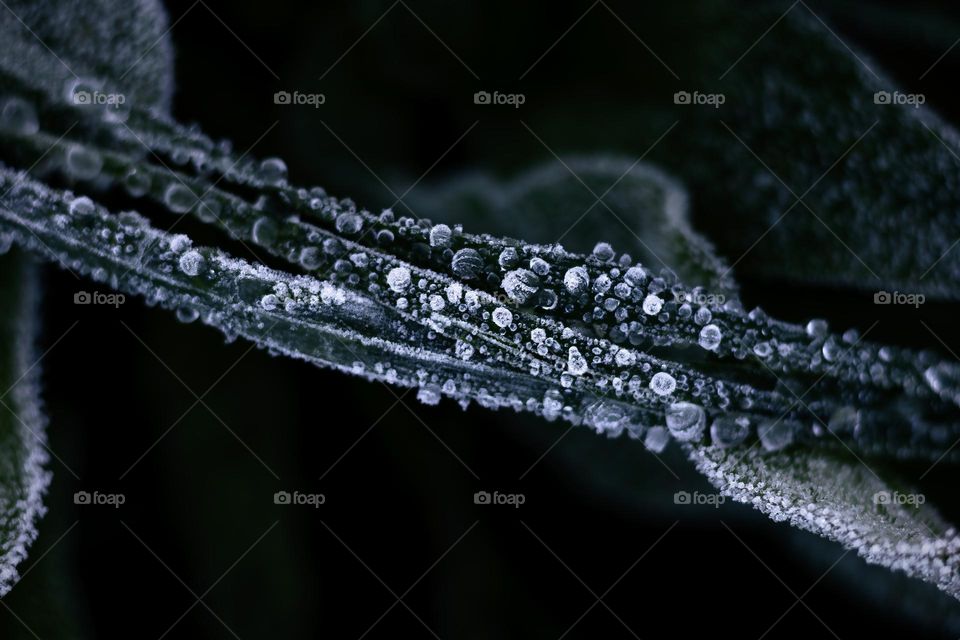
(23, 456)
(844, 500)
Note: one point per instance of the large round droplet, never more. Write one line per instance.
(728, 431)
(662, 383)
(136, 182)
(576, 363)
(710, 337)
(467, 263)
(273, 171)
(265, 231)
(191, 262)
(179, 198)
(656, 439)
(82, 163)
(311, 258)
(81, 206)
(502, 317)
(440, 235)
(777, 434)
(18, 116)
(399, 279)
(652, 304)
(349, 223)
(576, 280)
(686, 421)
(520, 284)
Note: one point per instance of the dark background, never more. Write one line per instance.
(401, 494)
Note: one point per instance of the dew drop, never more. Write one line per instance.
(399, 279)
(776, 435)
(18, 116)
(502, 317)
(576, 363)
(440, 235)
(727, 431)
(710, 337)
(83, 164)
(81, 206)
(265, 231)
(136, 182)
(652, 304)
(467, 263)
(576, 280)
(663, 383)
(179, 198)
(191, 263)
(349, 223)
(311, 258)
(272, 171)
(520, 284)
(686, 421)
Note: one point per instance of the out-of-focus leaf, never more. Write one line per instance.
(23, 456)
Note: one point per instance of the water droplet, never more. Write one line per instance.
(311, 258)
(136, 182)
(710, 337)
(603, 251)
(520, 284)
(817, 329)
(179, 198)
(467, 263)
(18, 116)
(273, 171)
(702, 316)
(440, 235)
(656, 439)
(663, 383)
(349, 223)
(82, 163)
(539, 266)
(508, 258)
(82, 206)
(265, 231)
(652, 304)
(191, 263)
(399, 279)
(727, 431)
(502, 317)
(576, 363)
(576, 280)
(686, 421)
(776, 435)
(187, 315)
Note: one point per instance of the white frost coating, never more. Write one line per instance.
(191, 263)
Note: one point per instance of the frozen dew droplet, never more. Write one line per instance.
(762, 349)
(502, 317)
(635, 276)
(437, 303)
(82, 163)
(179, 198)
(311, 258)
(710, 337)
(702, 316)
(576, 363)
(264, 231)
(652, 304)
(349, 223)
(399, 279)
(136, 182)
(576, 280)
(81, 206)
(844, 420)
(625, 358)
(603, 251)
(272, 171)
(662, 383)
(187, 315)
(18, 116)
(657, 439)
(817, 328)
(520, 284)
(440, 235)
(269, 302)
(191, 262)
(508, 258)
(539, 266)
(686, 421)
(467, 263)
(831, 350)
(464, 350)
(429, 395)
(728, 431)
(775, 435)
